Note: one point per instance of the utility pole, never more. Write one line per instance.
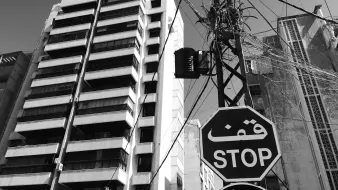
(223, 37)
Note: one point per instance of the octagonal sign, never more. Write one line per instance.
(239, 144)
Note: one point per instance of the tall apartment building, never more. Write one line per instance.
(302, 102)
(117, 44)
(198, 176)
(13, 67)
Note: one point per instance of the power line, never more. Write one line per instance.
(141, 107)
(301, 9)
(263, 31)
(178, 134)
(328, 8)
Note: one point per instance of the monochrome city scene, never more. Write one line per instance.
(168, 95)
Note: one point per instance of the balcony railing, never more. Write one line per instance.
(37, 141)
(47, 112)
(119, 13)
(49, 94)
(102, 135)
(116, 44)
(57, 71)
(109, 83)
(94, 164)
(67, 37)
(104, 109)
(112, 63)
(51, 90)
(114, 2)
(72, 21)
(23, 169)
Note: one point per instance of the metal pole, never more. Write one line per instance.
(247, 97)
(219, 72)
(69, 126)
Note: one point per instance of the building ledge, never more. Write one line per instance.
(141, 178)
(97, 174)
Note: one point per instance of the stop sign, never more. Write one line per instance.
(239, 144)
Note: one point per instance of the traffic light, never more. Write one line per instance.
(190, 63)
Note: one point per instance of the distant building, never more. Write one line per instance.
(13, 67)
(302, 101)
(198, 176)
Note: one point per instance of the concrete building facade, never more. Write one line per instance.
(298, 94)
(129, 108)
(13, 67)
(194, 168)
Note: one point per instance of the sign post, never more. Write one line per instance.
(239, 144)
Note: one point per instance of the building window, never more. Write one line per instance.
(119, 13)
(248, 66)
(116, 44)
(153, 49)
(155, 3)
(68, 36)
(255, 90)
(113, 2)
(116, 28)
(179, 182)
(148, 109)
(155, 17)
(151, 67)
(154, 32)
(144, 162)
(147, 134)
(150, 87)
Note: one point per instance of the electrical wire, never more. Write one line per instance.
(141, 107)
(328, 8)
(172, 145)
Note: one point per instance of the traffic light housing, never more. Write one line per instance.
(190, 63)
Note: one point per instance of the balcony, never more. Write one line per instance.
(54, 80)
(150, 98)
(123, 117)
(152, 41)
(57, 71)
(60, 61)
(153, 25)
(150, 77)
(27, 179)
(146, 121)
(115, 62)
(98, 144)
(108, 172)
(141, 178)
(116, 2)
(73, 45)
(47, 112)
(152, 58)
(120, 20)
(123, 10)
(50, 91)
(69, 29)
(109, 83)
(109, 93)
(31, 150)
(145, 148)
(108, 73)
(77, 14)
(115, 53)
(77, 5)
(116, 36)
(51, 101)
(55, 125)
